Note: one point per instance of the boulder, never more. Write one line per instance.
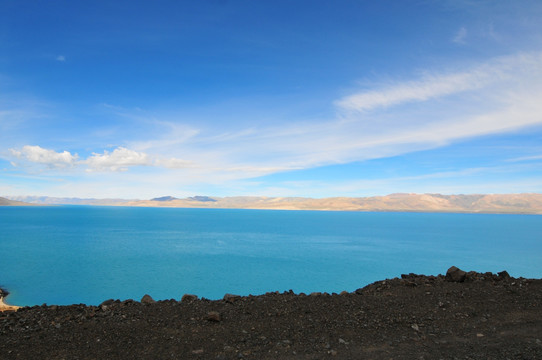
(213, 316)
(189, 298)
(147, 299)
(455, 274)
(3, 293)
(108, 302)
(358, 291)
(231, 298)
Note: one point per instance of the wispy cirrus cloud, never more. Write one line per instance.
(526, 158)
(460, 36)
(429, 87)
(498, 96)
(433, 86)
(433, 110)
(173, 163)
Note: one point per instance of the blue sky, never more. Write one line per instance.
(138, 99)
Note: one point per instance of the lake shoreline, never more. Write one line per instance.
(3, 305)
(66, 255)
(521, 203)
(476, 315)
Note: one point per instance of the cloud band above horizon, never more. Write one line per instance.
(506, 91)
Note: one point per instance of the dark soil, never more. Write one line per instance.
(477, 316)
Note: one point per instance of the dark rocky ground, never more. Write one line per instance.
(472, 316)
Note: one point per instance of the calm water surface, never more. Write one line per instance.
(79, 254)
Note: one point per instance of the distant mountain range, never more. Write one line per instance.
(46, 200)
(488, 203)
(499, 203)
(164, 198)
(8, 202)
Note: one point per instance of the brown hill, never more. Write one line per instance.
(7, 202)
(493, 203)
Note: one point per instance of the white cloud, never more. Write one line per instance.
(422, 90)
(119, 160)
(526, 158)
(174, 163)
(175, 134)
(439, 85)
(499, 96)
(50, 158)
(460, 36)
(438, 108)
(61, 58)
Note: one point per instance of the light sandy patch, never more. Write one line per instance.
(6, 307)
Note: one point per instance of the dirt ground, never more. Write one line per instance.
(457, 316)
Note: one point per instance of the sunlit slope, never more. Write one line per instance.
(493, 203)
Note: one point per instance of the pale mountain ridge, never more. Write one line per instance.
(48, 200)
(8, 202)
(479, 203)
(530, 203)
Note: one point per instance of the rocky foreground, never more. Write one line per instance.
(457, 316)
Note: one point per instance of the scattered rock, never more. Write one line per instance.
(436, 319)
(455, 275)
(108, 302)
(214, 316)
(3, 293)
(230, 298)
(189, 298)
(147, 299)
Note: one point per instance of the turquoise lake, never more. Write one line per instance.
(84, 254)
